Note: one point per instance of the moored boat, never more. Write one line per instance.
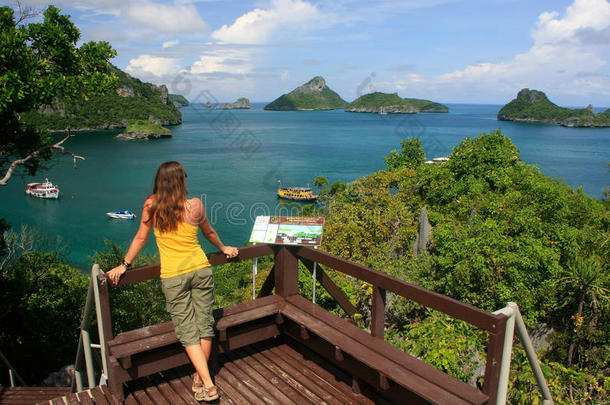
(296, 193)
(121, 214)
(43, 190)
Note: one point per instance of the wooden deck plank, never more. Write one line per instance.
(242, 388)
(299, 372)
(312, 374)
(269, 361)
(283, 391)
(111, 398)
(228, 393)
(72, 399)
(85, 398)
(166, 390)
(255, 383)
(98, 396)
(179, 388)
(156, 395)
(325, 374)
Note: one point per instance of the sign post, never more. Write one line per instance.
(296, 231)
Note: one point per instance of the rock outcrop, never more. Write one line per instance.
(423, 234)
(242, 103)
(144, 130)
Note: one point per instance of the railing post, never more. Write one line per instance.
(506, 354)
(495, 349)
(102, 305)
(286, 272)
(378, 313)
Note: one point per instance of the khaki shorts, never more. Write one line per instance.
(190, 300)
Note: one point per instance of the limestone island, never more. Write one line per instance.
(132, 99)
(144, 130)
(313, 95)
(242, 103)
(534, 106)
(385, 103)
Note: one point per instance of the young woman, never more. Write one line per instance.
(186, 275)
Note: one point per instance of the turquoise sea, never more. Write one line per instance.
(234, 157)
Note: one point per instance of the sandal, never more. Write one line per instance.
(204, 394)
(197, 386)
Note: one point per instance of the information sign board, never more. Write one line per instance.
(304, 231)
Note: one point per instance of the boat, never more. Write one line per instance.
(441, 159)
(121, 214)
(43, 190)
(296, 193)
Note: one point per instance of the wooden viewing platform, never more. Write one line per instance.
(281, 348)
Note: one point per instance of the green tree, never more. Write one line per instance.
(320, 181)
(411, 155)
(41, 64)
(41, 299)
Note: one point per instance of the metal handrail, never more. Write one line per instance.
(515, 322)
(12, 373)
(83, 351)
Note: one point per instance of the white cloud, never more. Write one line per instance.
(147, 64)
(260, 25)
(223, 60)
(165, 17)
(559, 61)
(177, 16)
(169, 44)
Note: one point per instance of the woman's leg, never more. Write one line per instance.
(200, 362)
(203, 302)
(206, 347)
(179, 298)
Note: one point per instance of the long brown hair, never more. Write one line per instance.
(170, 194)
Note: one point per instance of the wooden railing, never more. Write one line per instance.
(283, 277)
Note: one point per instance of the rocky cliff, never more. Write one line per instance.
(132, 99)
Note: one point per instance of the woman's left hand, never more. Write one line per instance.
(230, 251)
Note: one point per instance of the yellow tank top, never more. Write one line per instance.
(180, 250)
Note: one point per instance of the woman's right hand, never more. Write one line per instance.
(115, 274)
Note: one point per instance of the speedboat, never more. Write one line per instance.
(121, 214)
(43, 190)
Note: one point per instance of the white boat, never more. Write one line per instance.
(441, 159)
(121, 214)
(43, 190)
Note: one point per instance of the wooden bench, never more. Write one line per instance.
(351, 347)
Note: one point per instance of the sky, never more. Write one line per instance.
(451, 51)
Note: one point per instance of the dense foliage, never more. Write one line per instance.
(502, 231)
(40, 299)
(304, 99)
(133, 99)
(41, 62)
(393, 103)
(533, 105)
(146, 127)
(178, 100)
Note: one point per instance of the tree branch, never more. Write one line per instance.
(34, 154)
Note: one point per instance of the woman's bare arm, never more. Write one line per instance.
(138, 242)
(210, 233)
